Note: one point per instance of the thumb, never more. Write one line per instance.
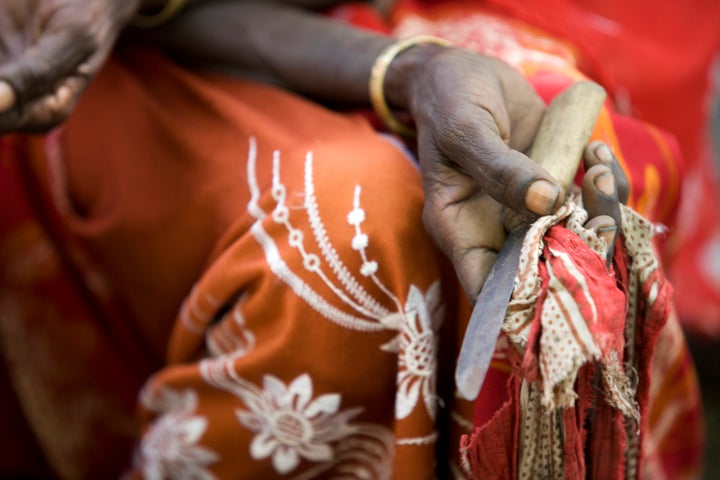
(507, 175)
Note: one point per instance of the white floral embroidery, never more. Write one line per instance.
(169, 449)
(416, 321)
(366, 306)
(292, 425)
(418, 353)
(366, 312)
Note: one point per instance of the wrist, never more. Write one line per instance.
(392, 75)
(404, 69)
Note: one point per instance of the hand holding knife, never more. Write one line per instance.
(558, 147)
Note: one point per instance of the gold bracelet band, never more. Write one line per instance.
(377, 80)
(169, 10)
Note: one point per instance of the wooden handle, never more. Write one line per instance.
(566, 129)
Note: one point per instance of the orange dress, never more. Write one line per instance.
(260, 258)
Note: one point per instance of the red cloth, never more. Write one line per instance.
(579, 336)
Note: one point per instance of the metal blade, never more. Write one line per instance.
(487, 318)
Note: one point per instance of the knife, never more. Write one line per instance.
(558, 146)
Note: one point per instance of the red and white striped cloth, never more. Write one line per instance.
(583, 335)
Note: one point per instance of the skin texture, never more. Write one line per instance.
(474, 115)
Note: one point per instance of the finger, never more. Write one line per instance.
(472, 255)
(525, 109)
(47, 112)
(40, 68)
(599, 153)
(599, 194)
(507, 175)
(605, 228)
(7, 96)
(472, 268)
(467, 229)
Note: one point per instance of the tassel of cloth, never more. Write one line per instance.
(581, 334)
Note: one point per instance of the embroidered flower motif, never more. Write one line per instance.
(418, 351)
(358, 300)
(169, 449)
(291, 425)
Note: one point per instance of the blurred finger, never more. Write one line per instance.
(38, 71)
(7, 96)
(47, 112)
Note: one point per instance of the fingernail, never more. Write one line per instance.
(542, 197)
(7, 96)
(605, 183)
(607, 233)
(603, 153)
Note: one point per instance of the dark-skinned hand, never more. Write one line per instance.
(49, 51)
(472, 243)
(475, 116)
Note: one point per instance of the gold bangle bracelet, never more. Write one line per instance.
(377, 80)
(169, 10)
